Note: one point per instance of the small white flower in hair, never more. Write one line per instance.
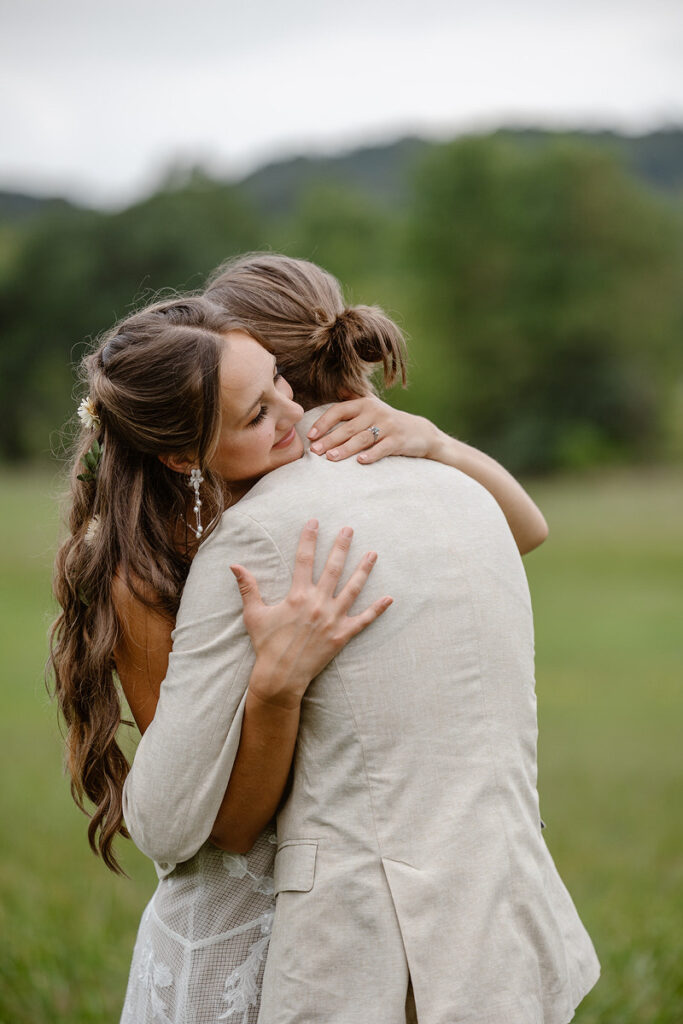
(87, 414)
(92, 529)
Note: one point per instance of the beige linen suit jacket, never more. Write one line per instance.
(410, 843)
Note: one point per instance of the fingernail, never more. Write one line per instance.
(386, 601)
(333, 454)
(317, 448)
(235, 571)
(372, 556)
(362, 458)
(347, 531)
(312, 433)
(312, 524)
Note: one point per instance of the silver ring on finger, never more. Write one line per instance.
(375, 434)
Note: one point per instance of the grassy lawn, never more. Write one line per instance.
(608, 597)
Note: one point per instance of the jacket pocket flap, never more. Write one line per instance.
(295, 866)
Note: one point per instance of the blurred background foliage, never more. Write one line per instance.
(537, 276)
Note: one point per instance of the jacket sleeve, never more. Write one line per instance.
(183, 762)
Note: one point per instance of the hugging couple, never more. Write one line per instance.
(329, 655)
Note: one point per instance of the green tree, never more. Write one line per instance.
(549, 287)
(344, 231)
(74, 274)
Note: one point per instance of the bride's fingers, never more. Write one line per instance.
(305, 556)
(248, 588)
(354, 586)
(345, 430)
(335, 414)
(336, 560)
(385, 446)
(357, 623)
(361, 441)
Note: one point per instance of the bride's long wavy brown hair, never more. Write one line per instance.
(154, 385)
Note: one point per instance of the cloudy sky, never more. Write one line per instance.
(98, 99)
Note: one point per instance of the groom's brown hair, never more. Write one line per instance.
(324, 349)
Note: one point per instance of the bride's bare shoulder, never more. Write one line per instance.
(143, 647)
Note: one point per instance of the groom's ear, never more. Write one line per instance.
(177, 463)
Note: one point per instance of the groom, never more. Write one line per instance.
(410, 846)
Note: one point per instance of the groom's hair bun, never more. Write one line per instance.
(324, 349)
(347, 350)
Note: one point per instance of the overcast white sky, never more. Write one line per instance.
(98, 98)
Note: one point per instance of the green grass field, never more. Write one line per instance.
(608, 597)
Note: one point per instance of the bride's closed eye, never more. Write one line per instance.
(263, 411)
(260, 415)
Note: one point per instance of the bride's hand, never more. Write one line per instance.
(295, 639)
(400, 433)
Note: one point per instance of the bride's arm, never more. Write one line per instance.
(268, 733)
(401, 433)
(260, 773)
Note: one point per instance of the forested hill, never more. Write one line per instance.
(385, 172)
(18, 206)
(657, 158)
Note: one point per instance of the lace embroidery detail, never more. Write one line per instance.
(238, 866)
(202, 942)
(236, 863)
(153, 975)
(241, 989)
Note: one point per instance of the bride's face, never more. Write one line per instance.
(257, 413)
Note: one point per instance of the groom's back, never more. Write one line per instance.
(443, 677)
(410, 843)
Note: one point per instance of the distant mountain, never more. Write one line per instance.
(385, 172)
(657, 157)
(17, 206)
(381, 171)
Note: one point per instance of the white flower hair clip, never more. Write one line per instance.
(92, 530)
(87, 414)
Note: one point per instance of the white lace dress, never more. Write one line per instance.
(203, 938)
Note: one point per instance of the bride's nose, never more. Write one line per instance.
(290, 410)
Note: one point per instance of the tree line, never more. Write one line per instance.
(539, 285)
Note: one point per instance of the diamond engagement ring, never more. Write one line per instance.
(375, 434)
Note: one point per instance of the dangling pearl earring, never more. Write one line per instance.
(196, 479)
